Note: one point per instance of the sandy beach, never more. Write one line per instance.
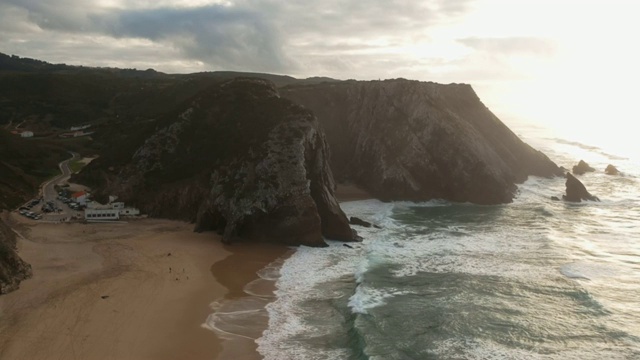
(140, 290)
(145, 289)
(350, 192)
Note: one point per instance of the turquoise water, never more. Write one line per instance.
(535, 279)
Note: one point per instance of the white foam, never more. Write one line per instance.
(300, 274)
(271, 271)
(259, 287)
(366, 298)
(300, 278)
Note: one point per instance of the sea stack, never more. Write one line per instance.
(576, 191)
(611, 170)
(582, 168)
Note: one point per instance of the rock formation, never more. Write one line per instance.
(611, 170)
(576, 191)
(240, 160)
(12, 269)
(582, 168)
(410, 140)
(357, 221)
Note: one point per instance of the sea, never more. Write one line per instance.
(533, 279)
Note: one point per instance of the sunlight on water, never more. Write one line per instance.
(599, 139)
(534, 279)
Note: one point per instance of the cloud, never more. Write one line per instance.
(222, 36)
(258, 35)
(511, 45)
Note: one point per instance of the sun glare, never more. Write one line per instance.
(585, 88)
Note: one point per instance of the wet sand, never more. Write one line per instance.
(240, 317)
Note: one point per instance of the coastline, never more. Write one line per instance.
(240, 317)
(146, 289)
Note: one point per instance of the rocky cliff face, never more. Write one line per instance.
(12, 269)
(410, 140)
(240, 160)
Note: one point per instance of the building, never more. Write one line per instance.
(80, 197)
(101, 214)
(26, 134)
(125, 211)
(111, 211)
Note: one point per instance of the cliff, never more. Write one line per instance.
(12, 269)
(237, 159)
(410, 140)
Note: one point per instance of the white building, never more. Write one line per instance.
(101, 214)
(111, 211)
(125, 211)
(26, 134)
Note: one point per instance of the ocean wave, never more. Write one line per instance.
(590, 148)
(366, 298)
(480, 282)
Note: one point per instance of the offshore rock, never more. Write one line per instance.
(582, 168)
(410, 140)
(611, 170)
(239, 160)
(357, 221)
(576, 191)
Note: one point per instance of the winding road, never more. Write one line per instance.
(48, 191)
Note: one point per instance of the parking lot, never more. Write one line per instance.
(59, 209)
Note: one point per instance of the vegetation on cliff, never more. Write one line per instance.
(24, 165)
(236, 158)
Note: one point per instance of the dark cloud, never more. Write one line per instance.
(225, 36)
(511, 45)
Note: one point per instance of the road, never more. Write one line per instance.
(48, 191)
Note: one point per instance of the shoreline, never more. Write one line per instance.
(146, 289)
(239, 342)
(240, 317)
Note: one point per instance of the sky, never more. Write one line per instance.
(566, 63)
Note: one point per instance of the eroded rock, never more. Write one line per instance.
(576, 191)
(611, 170)
(582, 168)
